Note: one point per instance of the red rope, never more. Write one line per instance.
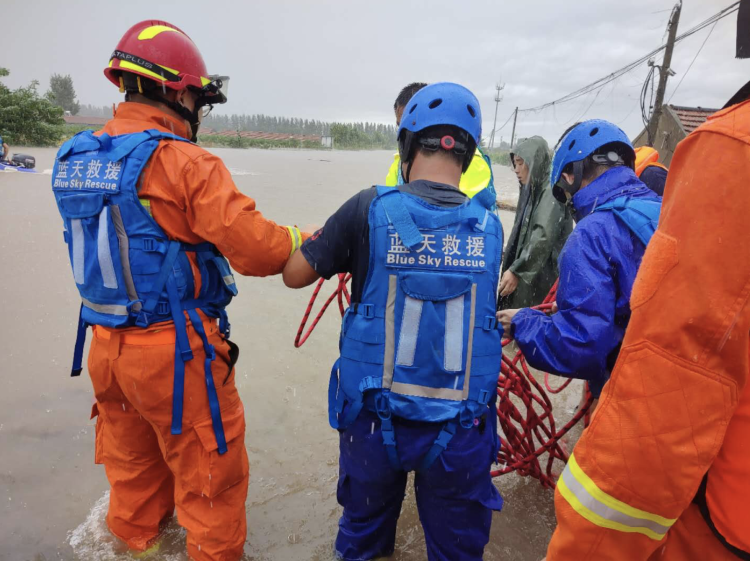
(341, 292)
(528, 431)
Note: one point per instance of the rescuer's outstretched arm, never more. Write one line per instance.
(664, 412)
(576, 340)
(219, 213)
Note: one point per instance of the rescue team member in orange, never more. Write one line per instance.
(663, 471)
(649, 170)
(191, 196)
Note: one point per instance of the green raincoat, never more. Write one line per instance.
(539, 232)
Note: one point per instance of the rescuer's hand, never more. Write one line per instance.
(508, 283)
(505, 318)
(553, 310)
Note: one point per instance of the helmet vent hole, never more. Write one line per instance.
(594, 131)
(413, 107)
(471, 111)
(435, 103)
(571, 145)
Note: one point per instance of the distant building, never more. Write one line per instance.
(263, 135)
(94, 122)
(675, 123)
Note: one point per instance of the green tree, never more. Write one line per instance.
(62, 93)
(26, 118)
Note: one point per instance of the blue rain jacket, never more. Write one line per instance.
(597, 266)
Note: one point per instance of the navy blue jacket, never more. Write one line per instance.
(597, 268)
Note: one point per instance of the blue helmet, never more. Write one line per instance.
(583, 140)
(443, 103)
(438, 104)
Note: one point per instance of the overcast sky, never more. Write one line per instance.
(347, 59)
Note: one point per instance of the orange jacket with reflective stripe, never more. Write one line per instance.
(191, 195)
(677, 405)
(193, 198)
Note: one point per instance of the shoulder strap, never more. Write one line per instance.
(641, 216)
(399, 216)
(86, 141)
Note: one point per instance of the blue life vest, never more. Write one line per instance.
(127, 271)
(2, 150)
(641, 216)
(424, 342)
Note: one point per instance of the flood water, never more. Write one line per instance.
(53, 499)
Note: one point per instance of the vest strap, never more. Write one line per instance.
(182, 354)
(441, 443)
(399, 217)
(80, 342)
(389, 441)
(156, 289)
(213, 397)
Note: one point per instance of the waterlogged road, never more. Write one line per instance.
(53, 499)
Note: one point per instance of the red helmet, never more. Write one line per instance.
(162, 52)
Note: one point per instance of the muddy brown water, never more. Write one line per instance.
(53, 499)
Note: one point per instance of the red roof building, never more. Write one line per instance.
(676, 123)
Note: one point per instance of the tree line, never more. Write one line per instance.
(28, 117)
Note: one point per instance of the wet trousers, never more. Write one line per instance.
(455, 496)
(150, 470)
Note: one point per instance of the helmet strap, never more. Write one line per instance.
(577, 179)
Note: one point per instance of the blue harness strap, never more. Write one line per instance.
(80, 342)
(156, 289)
(213, 397)
(440, 444)
(639, 215)
(336, 399)
(389, 440)
(399, 216)
(182, 354)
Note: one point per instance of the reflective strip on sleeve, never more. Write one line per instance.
(296, 237)
(604, 510)
(104, 253)
(407, 340)
(77, 240)
(453, 352)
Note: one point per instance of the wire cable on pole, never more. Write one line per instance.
(692, 62)
(601, 82)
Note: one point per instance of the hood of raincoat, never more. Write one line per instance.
(535, 152)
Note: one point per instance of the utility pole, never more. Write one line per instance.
(498, 98)
(513, 134)
(664, 73)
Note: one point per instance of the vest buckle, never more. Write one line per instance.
(162, 308)
(490, 323)
(149, 244)
(368, 310)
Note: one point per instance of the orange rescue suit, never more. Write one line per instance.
(190, 193)
(646, 156)
(677, 407)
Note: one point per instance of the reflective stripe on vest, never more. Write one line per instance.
(603, 510)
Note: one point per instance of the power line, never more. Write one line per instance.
(601, 82)
(505, 123)
(693, 61)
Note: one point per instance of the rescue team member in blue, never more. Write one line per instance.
(616, 215)
(420, 346)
